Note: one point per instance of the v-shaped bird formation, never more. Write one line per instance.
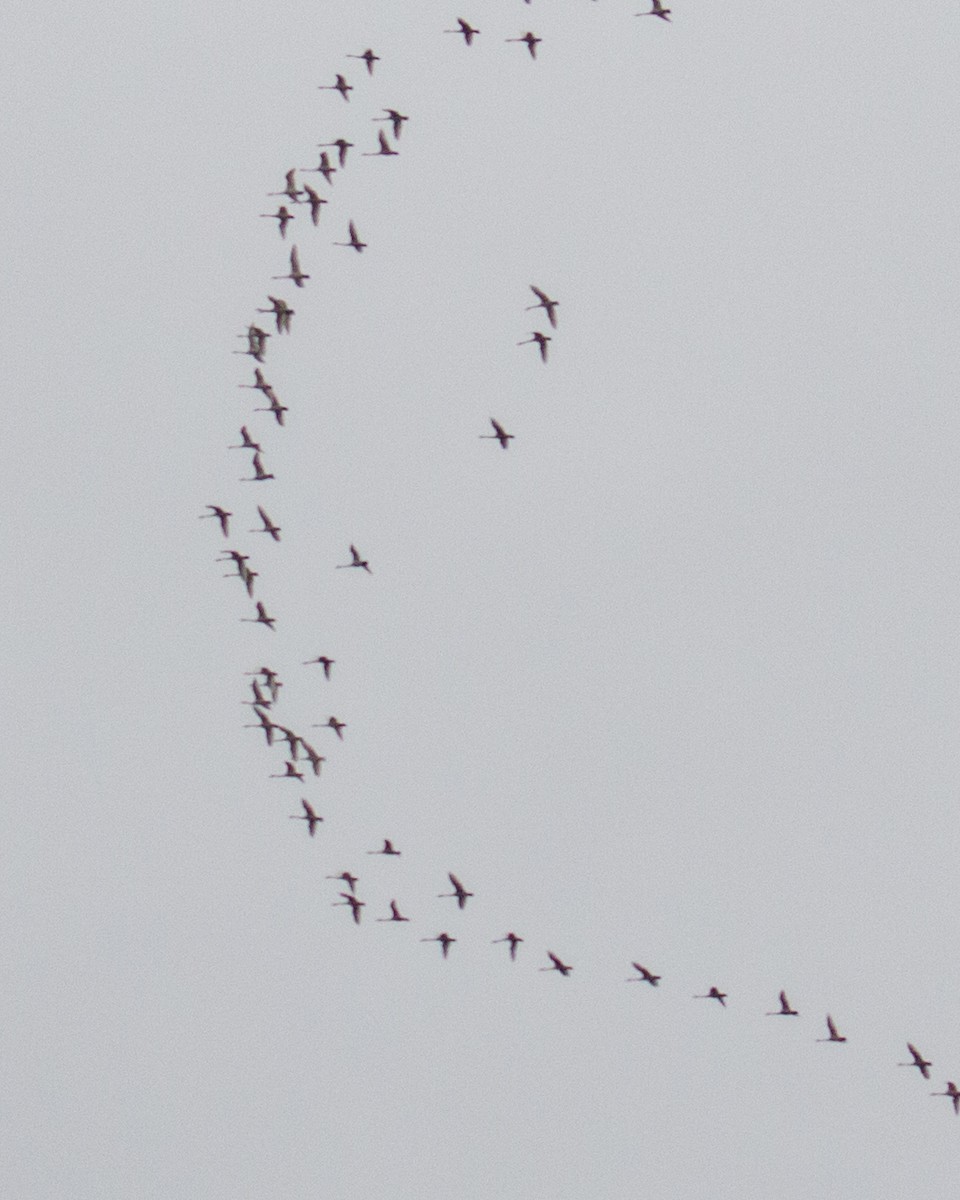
(298, 760)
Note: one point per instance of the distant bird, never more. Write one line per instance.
(385, 147)
(784, 1010)
(291, 772)
(340, 86)
(268, 525)
(394, 914)
(388, 848)
(259, 385)
(266, 725)
(953, 1092)
(259, 699)
(256, 342)
(562, 967)
(354, 242)
(368, 57)
(532, 41)
(316, 760)
(295, 272)
(261, 618)
(499, 434)
(541, 339)
(283, 216)
(310, 816)
(348, 879)
(333, 724)
(459, 891)
(396, 120)
(222, 516)
(918, 1061)
(324, 662)
(645, 976)
(326, 168)
(657, 11)
(271, 680)
(355, 905)
(315, 200)
(834, 1036)
(714, 994)
(282, 312)
(246, 441)
(292, 739)
(259, 475)
(342, 146)
(235, 557)
(511, 938)
(550, 306)
(445, 940)
(357, 561)
(464, 27)
(290, 189)
(275, 407)
(248, 577)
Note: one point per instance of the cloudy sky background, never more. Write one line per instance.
(674, 679)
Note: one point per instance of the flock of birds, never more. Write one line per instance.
(300, 756)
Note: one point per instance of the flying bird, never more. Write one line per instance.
(784, 1010)
(259, 475)
(324, 662)
(326, 168)
(342, 146)
(645, 976)
(271, 680)
(544, 302)
(310, 816)
(394, 914)
(295, 272)
(499, 434)
(541, 339)
(282, 312)
(333, 724)
(268, 526)
(261, 618)
(266, 725)
(290, 189)
(459, 891)
(532, 41)
(354, 242)
(657, 11)
(368, 57)
(385, 147)
(953, 1092)
(355, 905)
(259, 384)
(222, 516)
(315, 200)
(275, 407)
(918, 1061)
(396, 120)
(348, 879)
(291, 772)
(283, 216)
(256, 342)
(387, 849)
(511, 938)
(357, 561)
(316, 760)
(464, 27)
(340, 86)
(832, 1029)
(714, 994)
(558, 965)
(246, 441)
(445, 940)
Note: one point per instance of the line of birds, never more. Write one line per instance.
(265, 684)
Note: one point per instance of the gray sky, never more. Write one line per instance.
(674, 679)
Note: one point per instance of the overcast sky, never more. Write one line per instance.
(673, 679)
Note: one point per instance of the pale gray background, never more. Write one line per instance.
(673, 679)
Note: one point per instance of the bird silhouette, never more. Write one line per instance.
(953, 1092)
(355, 905)
(221, 515)
(260, 475)
(657, 11)
(261, 618)
(464, 27)
(388, 848)
(316, 201)
(396, 120)
(832, 1029)
(290, 189)
(558, 965)
(714, 994)
(459, 891)
(290, 772)
(309, 816)
(510, 938)
(356, 561)
(499, 434)
(333, 724)
(445, 940)
(917, 1060)
(550, 306)
(531, 41)
(394, 914)
(283, 216)
(340, 86)
(342, 146)
(324, 662)
(246, 441)
(368, 57)
(268, 525)
(347, 878)
(326, 168)
(296, 274)
(354, 242)
(784, 1010)
(645, 976)
(385, 147)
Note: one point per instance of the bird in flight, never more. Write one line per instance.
(714, 994)
(296, 274)
(510, 938)
(784, 1010)
(645, 976)
(326, 168)
(388, 848)
(259, 384)
(918, 1061)
(283, 216)
(259, 475)
(354, 242)
(499, 434)
(266, 725)
(290, 189)
(532, 41)
(282, 312)
(385, 147)
(459, 891)
(544, 302)
(315, 200)
(394, 914)
(268, 525)
(316, 760)
(355, 905)
(953, 1092)
(324, 662)
(271, 679)
(310, 816)
(396, 120)
(445, 940)
(290, 772)
(246, 441)
(832, 1030)
(558, 965)
(222, 516)
(657, 11)
(333, 724)
(464, 27)
(357, 561)
(541, 339)
(368, 57)
(261, 618)
(274, 407)
(340, 86)
(256, 342)
(342, 146)
(348, 879)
